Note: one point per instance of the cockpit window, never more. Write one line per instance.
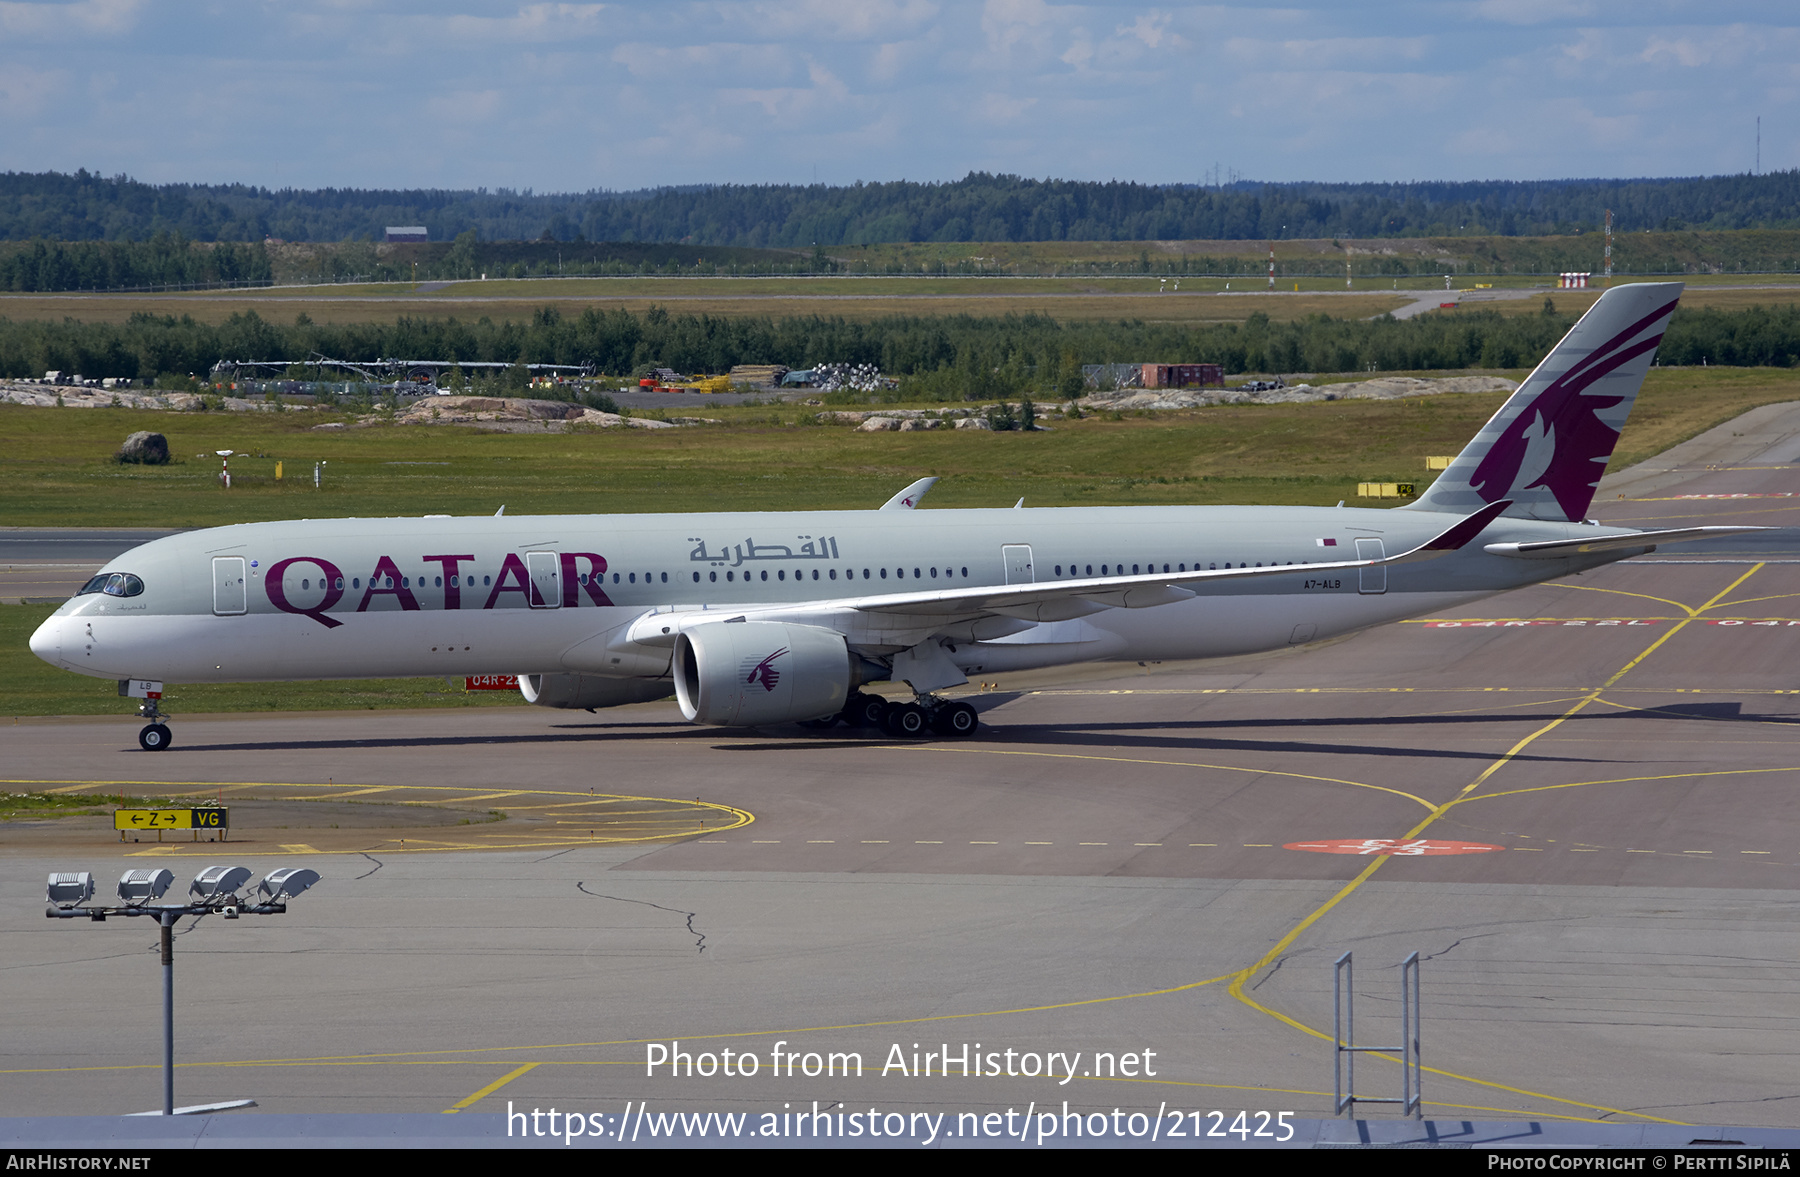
(113, 584)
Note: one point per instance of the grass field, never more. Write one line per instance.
(744, 298)
(1064, 299)
(55, 470)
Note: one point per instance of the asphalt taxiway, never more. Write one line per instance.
(1572, 801)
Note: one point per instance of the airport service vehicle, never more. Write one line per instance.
(752, 619)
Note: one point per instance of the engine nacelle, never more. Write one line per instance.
(587, 691)
(739, 674)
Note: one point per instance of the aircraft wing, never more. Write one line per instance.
(888, 614)
(1552, 548)
(1050, 601)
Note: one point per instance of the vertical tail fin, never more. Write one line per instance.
(1548, 445)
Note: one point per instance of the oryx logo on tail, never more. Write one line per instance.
(765, 673)
(1549, 444)
(1559, 441)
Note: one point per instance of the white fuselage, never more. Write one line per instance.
(447, 596)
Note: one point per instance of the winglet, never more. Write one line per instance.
(908, 499)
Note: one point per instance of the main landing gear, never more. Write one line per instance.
(154, 737)
(908, 720)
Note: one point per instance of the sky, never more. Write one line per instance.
(573, 97)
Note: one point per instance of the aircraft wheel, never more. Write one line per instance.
(154, 737)
(904, 719)
(864, 710)
(955, 719)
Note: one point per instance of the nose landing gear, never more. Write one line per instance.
(154, 736)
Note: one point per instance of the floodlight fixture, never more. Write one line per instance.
(143, 885)
(286, 883)
(70, 888)
(214, 891)
(219, 882)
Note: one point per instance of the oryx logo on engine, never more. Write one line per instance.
(765, 673)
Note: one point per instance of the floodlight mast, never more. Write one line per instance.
(216, 889)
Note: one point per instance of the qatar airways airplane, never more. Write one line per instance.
(767, 618)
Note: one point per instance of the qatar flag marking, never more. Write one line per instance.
(1391, 846)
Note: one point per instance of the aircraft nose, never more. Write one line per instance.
(46, 643)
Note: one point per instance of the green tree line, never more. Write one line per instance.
(979, 207)
(939, 356)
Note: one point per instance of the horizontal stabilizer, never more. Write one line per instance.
(1551, 549)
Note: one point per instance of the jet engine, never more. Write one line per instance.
(743, 673)
(588, 691)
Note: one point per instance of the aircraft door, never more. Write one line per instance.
(230, 596)
(1017, 558)
(1371, 580)
(546, 585)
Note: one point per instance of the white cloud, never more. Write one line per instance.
(1531, 12)
(809, 20)
(106, 17)
(1002, 108)
(1151, 28)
